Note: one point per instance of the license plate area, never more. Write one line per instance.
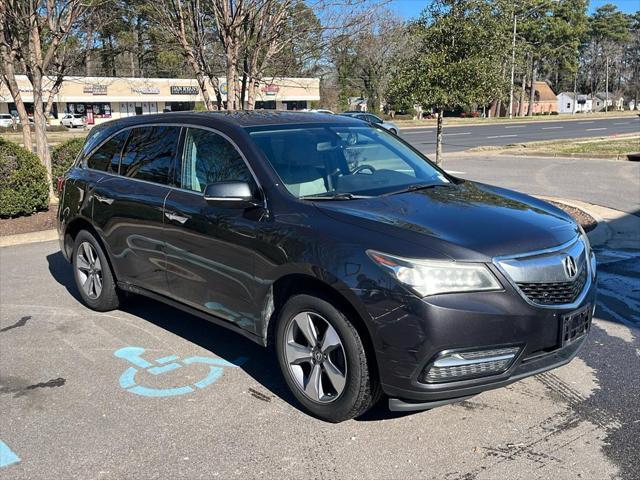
(575, 325)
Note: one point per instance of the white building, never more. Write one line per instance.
(104, 98)
(566, 101)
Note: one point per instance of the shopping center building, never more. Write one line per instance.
(104, 98)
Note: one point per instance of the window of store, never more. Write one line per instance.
(266, 105)
(296, 104)
(179, 106)
(13, 110)
(99, 110)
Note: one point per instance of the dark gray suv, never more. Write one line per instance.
(369, 270)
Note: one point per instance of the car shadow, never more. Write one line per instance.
(261, 363)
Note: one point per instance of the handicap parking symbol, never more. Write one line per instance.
(167, 364)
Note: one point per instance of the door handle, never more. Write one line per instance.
(175, 217)
(106, 200)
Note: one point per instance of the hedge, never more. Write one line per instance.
(63, 155)
(23, 181)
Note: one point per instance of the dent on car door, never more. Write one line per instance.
(211, 248)
(128, 206)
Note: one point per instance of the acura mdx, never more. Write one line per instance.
(369, 270)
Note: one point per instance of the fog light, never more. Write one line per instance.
(463, 365)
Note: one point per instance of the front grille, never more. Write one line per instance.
(555, 293)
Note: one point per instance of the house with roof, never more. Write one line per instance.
(545, 100)
(567, 101)
(601, 99)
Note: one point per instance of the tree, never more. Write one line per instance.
(457, 61)
(38, 30)
(608, 32)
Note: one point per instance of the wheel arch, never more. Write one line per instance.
(74, 227)
(299, 283)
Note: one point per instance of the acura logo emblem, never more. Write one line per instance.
(570, 266)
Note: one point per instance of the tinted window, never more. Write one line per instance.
(107, 157)
(210, 158)
(149, 154)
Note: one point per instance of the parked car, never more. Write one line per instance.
(321, 110)
(374, 120)
(73, 120)
(6, 120)
(368, 268)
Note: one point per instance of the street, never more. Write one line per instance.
(73, 401)
(463, 137)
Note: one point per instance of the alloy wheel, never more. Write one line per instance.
(89, 270)
(316, 357)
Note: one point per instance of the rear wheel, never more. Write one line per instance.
(323, 359)
(93, 275)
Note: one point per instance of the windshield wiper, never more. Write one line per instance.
(419, 186)
(335, 196)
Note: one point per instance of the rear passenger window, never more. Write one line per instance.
(210, 158)
(107, 157)
(149, 154)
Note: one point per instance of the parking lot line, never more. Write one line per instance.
(502, 136)
(594, 129)
(452, 134)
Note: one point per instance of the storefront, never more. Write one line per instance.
(103, 98)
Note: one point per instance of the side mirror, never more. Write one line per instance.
(230, 194)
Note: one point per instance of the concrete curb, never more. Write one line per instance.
(615, 229)
(26, 238)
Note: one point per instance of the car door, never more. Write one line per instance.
(210, 248)
(128, 206)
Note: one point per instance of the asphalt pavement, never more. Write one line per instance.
(458, 138)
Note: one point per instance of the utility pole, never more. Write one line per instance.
(606, 83)
(513, 61)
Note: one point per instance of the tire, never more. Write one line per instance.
(346, 363)
(89, 260)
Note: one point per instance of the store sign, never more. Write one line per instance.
(146, 90)
(184, 90)
(270, 89)
(95, 89)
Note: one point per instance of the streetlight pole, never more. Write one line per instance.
(513, 61)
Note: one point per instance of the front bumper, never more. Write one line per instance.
(412, 332)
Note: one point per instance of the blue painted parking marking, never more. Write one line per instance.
(7, 456)
(168, 364)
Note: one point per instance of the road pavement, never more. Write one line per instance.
(463, 137)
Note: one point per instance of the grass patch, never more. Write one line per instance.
(603, 147)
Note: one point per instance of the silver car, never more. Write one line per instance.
(373, 120)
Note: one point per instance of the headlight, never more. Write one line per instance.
(427, 277)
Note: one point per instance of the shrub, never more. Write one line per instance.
(23, 181)
(63, 155)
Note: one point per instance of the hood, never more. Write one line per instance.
(466, 221)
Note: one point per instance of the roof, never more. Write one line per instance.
(223, 120)
(545, 94)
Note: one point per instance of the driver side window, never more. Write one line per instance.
(209, 158)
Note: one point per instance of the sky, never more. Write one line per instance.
(411, 8)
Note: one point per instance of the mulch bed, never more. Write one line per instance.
(33, 223)
(586, 221)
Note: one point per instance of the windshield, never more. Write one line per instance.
(328, 160)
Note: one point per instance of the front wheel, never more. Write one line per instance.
(323, 359)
